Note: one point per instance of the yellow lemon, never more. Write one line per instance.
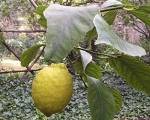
(52, 89)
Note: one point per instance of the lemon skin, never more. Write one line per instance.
(52, 89)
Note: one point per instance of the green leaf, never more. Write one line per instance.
(118, 99)
(145, 8)
(91, 35)
(67, 26)
(135, 72)
(93, 70)
(102, 100)
(78, 66)
(40, 9)
(142, 13)
(108, 36)
(42, 20)
(29, 54)
(88, 66)
(110, 16)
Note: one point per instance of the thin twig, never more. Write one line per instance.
(16, 71)
(9, 49)
(24, 31)
(33, 3)
(37, 58)
(137, 28)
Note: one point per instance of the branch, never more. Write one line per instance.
(37, 58)
(9, 49)
(24, 31)
(33, 3)
(16, 71)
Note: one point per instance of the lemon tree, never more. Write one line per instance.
(67, 27)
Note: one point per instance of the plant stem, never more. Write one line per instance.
(92, 52)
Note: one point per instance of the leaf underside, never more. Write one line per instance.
(135, 72)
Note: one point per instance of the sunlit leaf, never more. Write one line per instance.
(67, 26)
(108, 36)
(86, 58)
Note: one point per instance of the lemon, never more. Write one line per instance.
(52, 89)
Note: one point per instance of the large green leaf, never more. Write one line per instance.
(135, 72)
(29, 54)
(110, 16)
(78, 66)
(67, 26)
(93, 70)
(145, 8)
(107, 35)
(103, 101)
(142, 13)
(91, 35)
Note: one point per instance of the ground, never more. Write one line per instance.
(16, 102)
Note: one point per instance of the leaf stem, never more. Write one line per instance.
(92, 52)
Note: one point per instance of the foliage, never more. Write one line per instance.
(135, 72)
(104, 100)
(28, 55)
(63, 35)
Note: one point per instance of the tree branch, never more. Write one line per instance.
(9, 49)
(24, 31)
(33, 3)
(16, 71)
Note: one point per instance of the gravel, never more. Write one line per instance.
(16, 102)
